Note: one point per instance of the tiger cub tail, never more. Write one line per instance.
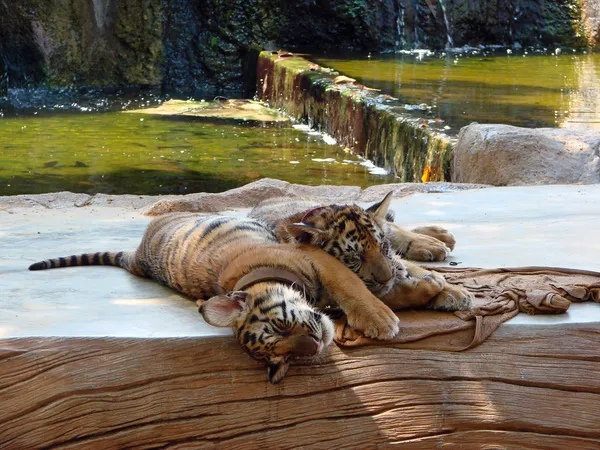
(118, 259)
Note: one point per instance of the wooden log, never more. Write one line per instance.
(527, 387)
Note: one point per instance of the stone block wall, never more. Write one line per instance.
(368, 123)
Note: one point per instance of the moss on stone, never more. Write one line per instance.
(190, 46)
(78, 42)
(356, 117)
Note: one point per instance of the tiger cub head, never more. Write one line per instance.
(273, 323)
(353, 235)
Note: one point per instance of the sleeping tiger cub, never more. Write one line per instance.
(367, 242)
(430, 243)
(271, 294)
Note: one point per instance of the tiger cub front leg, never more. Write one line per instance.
(419, 246)
(423, 288)
(452, 298)
(439, 233)
(363, 310)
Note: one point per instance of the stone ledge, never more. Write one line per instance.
(243, 197)
(369, 123)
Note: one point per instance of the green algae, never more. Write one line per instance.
(120, 153)
(220, 109)
(361, 119)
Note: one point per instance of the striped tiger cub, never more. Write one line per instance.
(372, 246)
(272, 295)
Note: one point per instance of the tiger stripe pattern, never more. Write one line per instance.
(351, 234)
(205, 257)
(86, 259)
(372, 246)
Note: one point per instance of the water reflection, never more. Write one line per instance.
(527, 90)
(93, 147)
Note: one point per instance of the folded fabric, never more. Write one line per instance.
(500, 294)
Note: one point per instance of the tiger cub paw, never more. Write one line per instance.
(429, 286)
(453, 298)
(439, 233)
(375, 320)
(426, 248)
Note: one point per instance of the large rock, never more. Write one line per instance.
(246, 196)
(82, 42)
(504, 155)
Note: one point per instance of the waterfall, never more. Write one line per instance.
(400, 41)
(449, 42)
(3, 78)
(101, 12)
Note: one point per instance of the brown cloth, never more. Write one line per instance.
(500, 294)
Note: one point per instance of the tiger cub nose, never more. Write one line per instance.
(305, 346)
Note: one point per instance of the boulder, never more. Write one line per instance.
(251, 194)
(503, 155)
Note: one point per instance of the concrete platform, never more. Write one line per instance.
(94, 357)
(496, 227)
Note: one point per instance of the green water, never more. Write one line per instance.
(116, 153)
(523, 90)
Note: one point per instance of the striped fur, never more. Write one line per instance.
(368, 243)
(349, 233)
(203, 258)
(86, 259)
(430, 243)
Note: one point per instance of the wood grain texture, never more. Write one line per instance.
(527, 387)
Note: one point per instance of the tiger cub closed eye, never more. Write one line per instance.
(270, 294)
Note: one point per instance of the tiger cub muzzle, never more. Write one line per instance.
(377, 272)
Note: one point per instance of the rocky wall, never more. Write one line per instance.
(181, 45)
(81, 42)
(3, 79)
(199, 45)
(541, 23)
(367, 122)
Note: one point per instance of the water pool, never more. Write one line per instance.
(527, 90)
(82, 149)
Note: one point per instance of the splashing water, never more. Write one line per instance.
(449, 41)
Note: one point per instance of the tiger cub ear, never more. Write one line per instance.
(380, 209)
(305, 233)
(224, 310)
(276, 372)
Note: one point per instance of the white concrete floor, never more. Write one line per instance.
(515, 226)
(496, 227)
